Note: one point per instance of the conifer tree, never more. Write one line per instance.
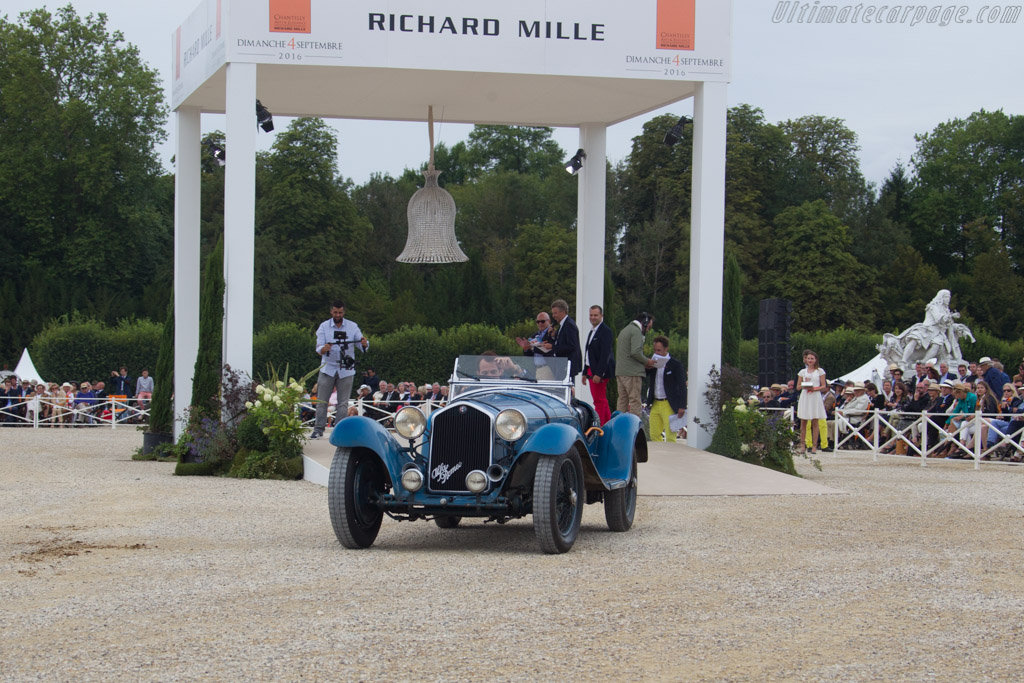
(207, 376)
(161, 415)
(732, 307)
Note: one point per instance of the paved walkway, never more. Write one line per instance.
(673, 469)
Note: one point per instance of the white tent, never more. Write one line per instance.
(872, 371)
(26, 369)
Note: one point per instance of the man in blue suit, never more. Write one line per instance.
(598, 362)
(567, 338)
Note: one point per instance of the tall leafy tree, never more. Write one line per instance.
(990, 285)
(824, 164)
(813, 267)
(309, 235)
(650, 214)
(908, 283)
(80, 116)
(969, 171)
(749, 183)
(383, 200)
(545, 261)
(520, 149)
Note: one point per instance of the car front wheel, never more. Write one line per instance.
(356, 482)
(558, 499)
(620, 504)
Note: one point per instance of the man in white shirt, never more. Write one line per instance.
(599, 362)
(666, 393)
(855, 410)
(336, 340)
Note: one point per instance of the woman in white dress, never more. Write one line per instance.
(811, 407)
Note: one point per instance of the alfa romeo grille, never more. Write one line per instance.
(460, 442)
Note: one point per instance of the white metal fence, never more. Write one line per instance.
(981, 437)
(45, 411)
(41, 412)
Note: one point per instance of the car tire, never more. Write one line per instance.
(357, 476)
(558, 498)
(447, 521)
(620, 504)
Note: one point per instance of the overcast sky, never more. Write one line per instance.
(887, 81)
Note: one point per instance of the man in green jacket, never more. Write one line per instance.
(631, 364)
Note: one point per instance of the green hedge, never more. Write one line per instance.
(1008, 353)
(79, 348)
(82, 348)
(840, 351)
(283, 344)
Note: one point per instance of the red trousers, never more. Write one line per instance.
(599, 391)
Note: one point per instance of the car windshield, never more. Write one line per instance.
(511, 369)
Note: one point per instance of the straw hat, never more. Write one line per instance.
(848, 390)
(985, 360)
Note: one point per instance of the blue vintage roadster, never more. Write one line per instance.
(511, 442)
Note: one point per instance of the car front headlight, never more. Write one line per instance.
(476, 481)
(412, 478)
(510, 425)
(410, 423)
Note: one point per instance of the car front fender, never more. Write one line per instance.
(551, 439)
(362, 432)
(615, 447)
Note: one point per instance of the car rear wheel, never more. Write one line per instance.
(620, 504)
(356, 482)
(447, 521)
(558, 499)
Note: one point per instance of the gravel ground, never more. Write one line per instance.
(113, 569)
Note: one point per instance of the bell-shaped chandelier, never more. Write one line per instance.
(431, 215)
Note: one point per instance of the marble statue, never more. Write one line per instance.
(937, 338)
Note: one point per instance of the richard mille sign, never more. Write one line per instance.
(647, 39)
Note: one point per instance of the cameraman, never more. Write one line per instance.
(335, 342)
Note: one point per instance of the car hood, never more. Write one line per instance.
(533, 404)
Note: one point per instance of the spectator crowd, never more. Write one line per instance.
(950, 397)
(120, 397)
(378, 399)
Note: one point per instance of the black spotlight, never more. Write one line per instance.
(576, 163)
(217, 152)
(672, 137)
(264, 117)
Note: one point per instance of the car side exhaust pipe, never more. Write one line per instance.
(496, 473)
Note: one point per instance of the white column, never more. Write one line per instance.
(590, 223)
(707, 239)
(239, 215)
(186, 259)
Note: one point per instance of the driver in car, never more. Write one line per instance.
(493, 365)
